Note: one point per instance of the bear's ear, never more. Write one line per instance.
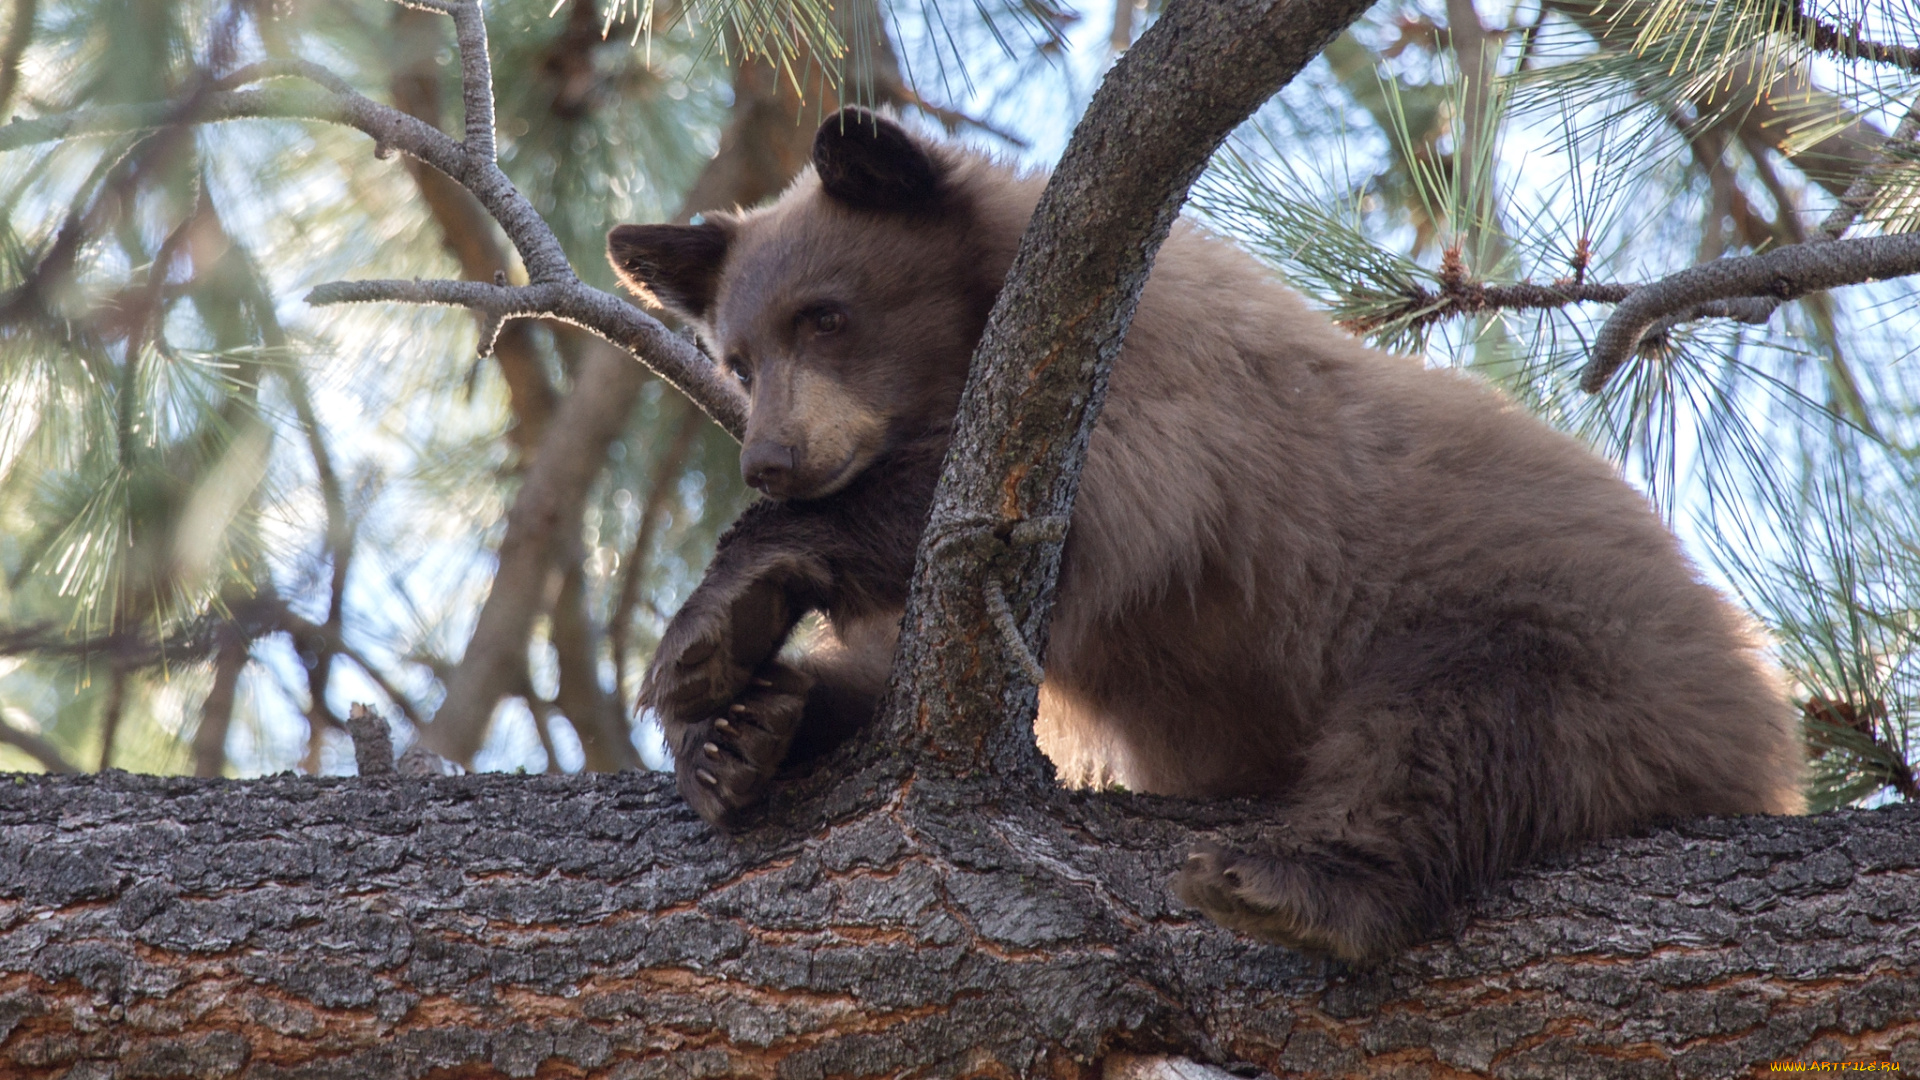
(870, 162)
(675, 266)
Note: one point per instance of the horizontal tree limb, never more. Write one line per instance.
(501, 926)
(1772, 277)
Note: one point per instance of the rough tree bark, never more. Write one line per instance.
(896, 912)
(591, 925)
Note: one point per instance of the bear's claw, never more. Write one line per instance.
(724, 763)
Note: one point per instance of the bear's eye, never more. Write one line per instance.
(827, 320)
(740, 372)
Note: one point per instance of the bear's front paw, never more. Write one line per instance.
(723, 763)
(728, 629)
(693, 672)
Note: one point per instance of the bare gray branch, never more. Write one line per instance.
(671, 356)
(470, 163)
(1768, 279)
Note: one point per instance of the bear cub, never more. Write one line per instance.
(1445, 638)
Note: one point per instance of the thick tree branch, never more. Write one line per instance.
(1040, 372)
(1762, 281)
(487, 926)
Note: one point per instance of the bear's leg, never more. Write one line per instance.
(1429, 781)
(849, 667)
(731, 710)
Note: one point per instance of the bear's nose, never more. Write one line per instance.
(767, 466)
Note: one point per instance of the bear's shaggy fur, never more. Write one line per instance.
(1444, 636)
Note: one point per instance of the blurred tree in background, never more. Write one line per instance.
(225, 514)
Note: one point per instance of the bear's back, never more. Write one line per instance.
(1266, 500)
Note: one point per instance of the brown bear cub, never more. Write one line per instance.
(1446, 638)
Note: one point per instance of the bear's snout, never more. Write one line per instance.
(768, 466)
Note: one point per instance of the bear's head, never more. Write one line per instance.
(848, 308)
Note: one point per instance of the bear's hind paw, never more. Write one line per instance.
(723, 764)
(1283, 902)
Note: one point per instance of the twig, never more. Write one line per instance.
(331, 639)
(470, 30)
(372, 743)
(468, 232)
(674, 358)
(471, 163)
(1822, 36)
(953, 119)
(1859, 194)
(285, 68)
(1741, 287)
(1464, 296)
